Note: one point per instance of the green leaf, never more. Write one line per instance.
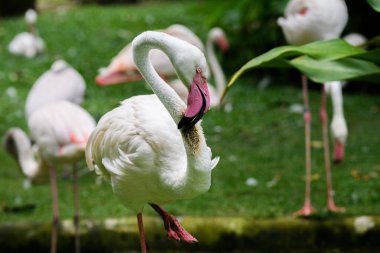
(341, 69)
(320, 61)
(322, 50)
(375, 4)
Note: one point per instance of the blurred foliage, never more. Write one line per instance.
(106, 1)
(15, 7)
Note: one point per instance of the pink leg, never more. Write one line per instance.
(323, 115)
(76, 208)
(307, 208)
(173, 227)
(54, 193)
(141, 232)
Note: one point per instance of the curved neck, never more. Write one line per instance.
(217, 72)
(25, 156)
(31, 28)
(164, 92)
(197, 174)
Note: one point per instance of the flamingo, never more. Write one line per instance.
(27, 44)
(123, 69)
(61, 130)
(60, 82)
(306, 21)
(334, 89)
(152, 148)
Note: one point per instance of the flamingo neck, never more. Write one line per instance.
(336, 97)
(164, 92)
(31, 28)
(25, 156)
(217, 72)
(197, 176)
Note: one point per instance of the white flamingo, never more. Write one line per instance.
(60, 82)
(307, 21)
(138, 147)
(123, 68)
(27, 44)
(60, 130)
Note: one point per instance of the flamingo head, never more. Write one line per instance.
(338, 151)
(220, 38)
(31, 16)
(198, 101)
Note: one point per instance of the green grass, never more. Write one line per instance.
(260, 138)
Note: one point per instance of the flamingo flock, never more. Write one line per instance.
(151, 149)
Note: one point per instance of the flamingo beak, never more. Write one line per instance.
(198, 102)
(338, 151)
(223, 44)
(117, 78)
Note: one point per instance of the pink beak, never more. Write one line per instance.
(223, 44)
(198, 102)
(116, 78)
(338, 151)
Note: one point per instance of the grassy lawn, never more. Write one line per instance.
(259, 139)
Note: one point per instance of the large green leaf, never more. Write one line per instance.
(341, 69)
(322, 50)
(375, 4)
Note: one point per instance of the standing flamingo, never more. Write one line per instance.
(306, 21)
(60, 130)
(27, 44)
(151, 148)
(123, 68)
(60, 82)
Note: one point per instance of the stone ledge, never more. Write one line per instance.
(215, 234)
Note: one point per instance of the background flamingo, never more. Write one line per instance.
(334, 89)
(60, 130)
(123, 69)
(27, 44)
(60, 82)
(138, 147)
(304, 22)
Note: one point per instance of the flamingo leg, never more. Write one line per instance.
(76, 208)
(324, 120)
(307, 208)
(141, 232)
(54, 193)
(172, 226)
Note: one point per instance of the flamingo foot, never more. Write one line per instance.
(331, 207)
(173, 227)
(306, 210)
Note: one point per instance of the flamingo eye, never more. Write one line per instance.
(303, 11)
